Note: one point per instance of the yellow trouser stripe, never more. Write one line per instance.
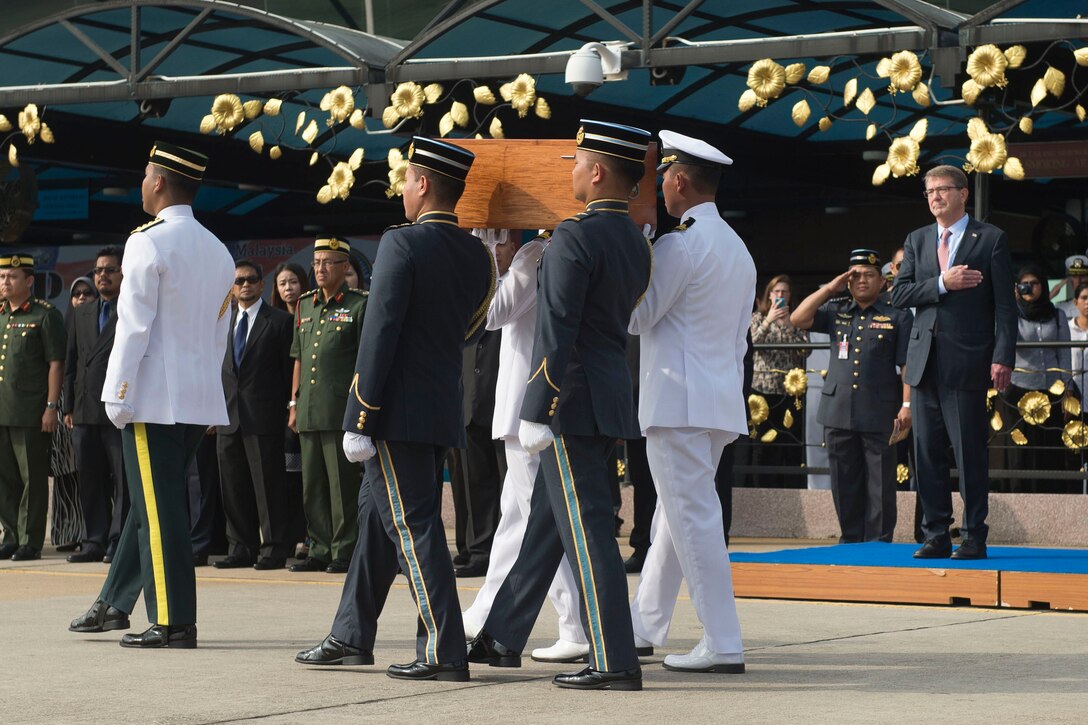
(158, 568)
(408, 546)
(585, 563)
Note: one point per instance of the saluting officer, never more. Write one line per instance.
(431, 289)
(327, 328)
(31, 372)
(861, 402)
(578, 401)
(163, 388)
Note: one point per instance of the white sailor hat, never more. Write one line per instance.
(886, 271)
(676, 148)
(1077, 265)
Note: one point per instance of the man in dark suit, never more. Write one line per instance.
(404, 409)
(257, 369)
(957, 274)
(578, 401)
(97, 442)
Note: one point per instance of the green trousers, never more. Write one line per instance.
(24, 485)
(155, 551)
(330, 495)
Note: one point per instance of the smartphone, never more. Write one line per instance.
(779, 302)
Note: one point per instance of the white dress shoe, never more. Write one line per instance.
(643, 647)
(562, 651)
(701, 659)
(471, 630)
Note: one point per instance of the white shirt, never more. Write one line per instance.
(1079, 375)
(957, 229)
(251, 315)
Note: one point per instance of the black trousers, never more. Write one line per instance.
(205, 513)
(645, 495)
(476, 492)
(102, 491)
(400, 518)
(723, 484)
(862, 484)
(570, 512)
(253, 481)
(946, 416)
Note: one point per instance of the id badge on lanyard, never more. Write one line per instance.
(844, 348)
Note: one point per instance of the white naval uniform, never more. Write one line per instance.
(692, 326)
(513, 309)
(178, 275)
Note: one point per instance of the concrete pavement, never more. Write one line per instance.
(807, 662)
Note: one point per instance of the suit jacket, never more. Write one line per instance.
(431, 288)
(172, 323)
(513, 310)
(85, 363)
(971, 328)
(480, 374)
(257, 390)
(592, 277)
(693, 327)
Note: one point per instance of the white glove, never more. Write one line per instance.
(358, 448)
(120, 414)
(534, 437)
(648, 231)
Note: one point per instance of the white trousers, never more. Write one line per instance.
(517, 490)
(687, 540)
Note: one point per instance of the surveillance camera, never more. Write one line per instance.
(584, 71)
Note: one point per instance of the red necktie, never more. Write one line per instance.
(942, 250)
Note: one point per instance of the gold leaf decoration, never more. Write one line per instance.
(13, 156)
(272, 107)
(356, 119)
(921, 95)
(1057, 388)
(207, 124)
(46, 133)
(1081, 56)
(767, 80)
(787, 419)
(407, 100)
(256, 141)
(794, 73)
(505, 91)
(1034, 407)
(884, 67)
(769, 436)
(324, 194)
(800, 112)
(390, 117)
(313, 158)
(227, 112)
(825, 123)
(522, 94)
(300, 121)
(995, 421)
(29, 123)
(747, 100)
(976, 128)
(986, 65)
(904, 71)
(866, 101)
(819, 75)
(758, 409)
(903, 157)
(341, 104)
(1038, 92)
(459, 113)
(483, 96)
(1071, 406)
(1013, 169)
(881, 174)
(1026, 125)
(1080, 113)
(1075, 435)
(275, 153)
(310, 132)
(398, 167)
(1018, 437)
(918, 133)
(969, 91)
(252, 109)
(870, 131)
(1015, 55)
(543, 110)
(5, 124)
(356, 158)
(432, 92)
(1054, 80)
(849, 91)
(445, 124)
(987, 153)
(495, 129)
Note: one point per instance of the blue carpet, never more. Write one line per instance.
(1001, 558)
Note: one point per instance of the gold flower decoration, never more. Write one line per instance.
(29, 123)
(495, 129)
(459, 113)
(767, 80)
(483, 96)
(902, 473)
(995, 421)
(1034, 406)
(1018, 437)
(819, 75)
(1054, 81)
(1013, 169)
(904, 72)
(921, 95)
(987, 153)
(407, 100)
(903, 157)
(432, 92)
(1081, 56)
(747, 100)
(800, 112)
(1075, 435)
(758, 409)
(340, 103)
(272, 107)
(5, 124)
(356, 119)
(521, 93)
(542, 110)
(341, 180)
(227, 112)
(398, 167)
(794, 73)
(1027, 125)
(46, 134)
(795, 382)
(986, 65)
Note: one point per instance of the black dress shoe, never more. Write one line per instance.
(337, 566)
(633, 564)
(332, 651)
(85, 557)
(310, 564)
(939, 548)
(591, 679)
(485, 650)
(461, 559)
(473, 568)
(182, 636)
(101, 617)
(200, 559)
(266, 563)
(25, 553)
(107, 559)
(7, 550)
(233, 562)
(970, 549)
(63, 548)
(448, 672)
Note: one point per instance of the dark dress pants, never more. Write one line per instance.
(645, 495)
(723, 484)
(862, 484)
(254, 489)
(571, 512)
(400, 521)
(946, 416)
(483, 469)
(205, 515)
(102, 491)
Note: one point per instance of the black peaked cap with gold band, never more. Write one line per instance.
(332, 244)
(180, 160)
(17, 261)
(676, 148)
(1077, 265)
(613, 139)
(867, 257)
(441, 157)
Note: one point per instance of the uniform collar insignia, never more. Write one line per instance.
(444, 217)
(614, 205)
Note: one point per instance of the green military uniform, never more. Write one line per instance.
(33, 336)
(326, 341)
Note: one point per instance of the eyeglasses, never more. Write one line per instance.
(325, 263)
(105, 270)
(251, 279)
(82, 293)
(1032, 282)
(941, 190)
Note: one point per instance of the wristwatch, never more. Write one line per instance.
(292, 404)
(51, 406)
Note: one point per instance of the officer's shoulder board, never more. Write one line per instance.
(685, 225)
(397, 226)
(578, 217)
(360, 292)
(145, 227)
(43, 303)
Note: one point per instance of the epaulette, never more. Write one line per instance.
(145, 227)
(43, 303)
(544, 235)
(687, 224)
(397, 226)
(577, 217)
(358, 291)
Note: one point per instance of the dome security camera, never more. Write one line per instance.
(593, 64)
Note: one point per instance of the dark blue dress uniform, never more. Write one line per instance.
(592, 277)
(432, 285)
(861, 398)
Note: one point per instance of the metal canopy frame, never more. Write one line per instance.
(364, 56)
